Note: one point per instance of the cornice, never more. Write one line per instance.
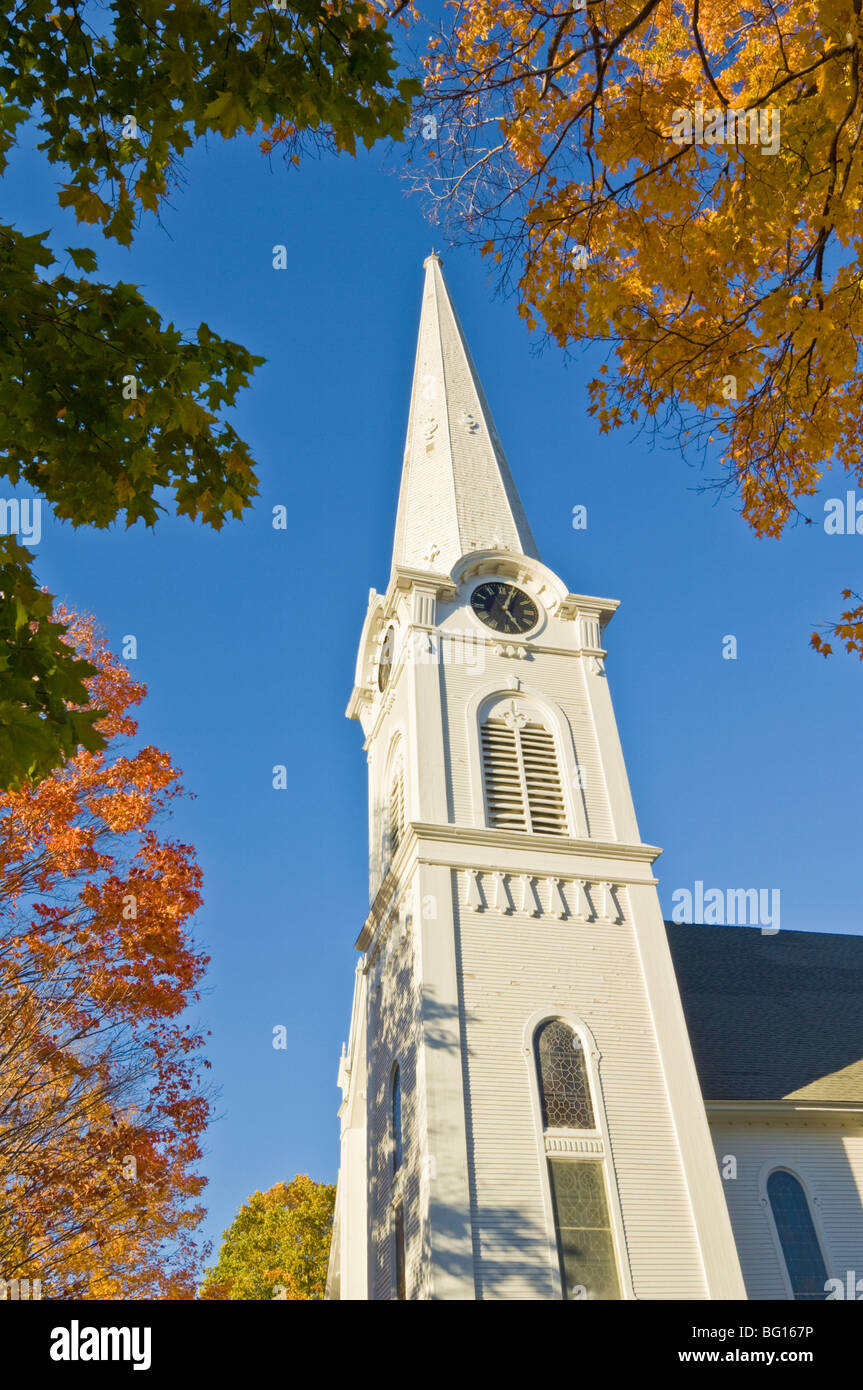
(404, 578)
(520, 840)
(776, 1109)
(421, 842)
(574, 604)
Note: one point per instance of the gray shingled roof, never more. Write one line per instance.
(772, 1017)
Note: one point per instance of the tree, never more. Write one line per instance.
(102, 1101)
(683, 184)
(106, 411)
(41, 679)
(277, 1245)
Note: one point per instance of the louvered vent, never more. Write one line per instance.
(504, 789)
(522, 781)
(397, 810)
(544, 792)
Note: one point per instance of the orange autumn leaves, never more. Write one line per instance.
(101, 1098)
(725, 277)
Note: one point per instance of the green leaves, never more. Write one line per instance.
(106, 411)
(41, 680)
(83, 258)
(277, 1245)
(228, 114)
(181, 71)
(68, 431)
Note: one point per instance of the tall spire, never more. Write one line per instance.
(457, 494)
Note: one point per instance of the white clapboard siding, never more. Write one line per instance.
(828, 1159)
(512, 967)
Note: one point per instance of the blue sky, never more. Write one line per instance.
(746, 771)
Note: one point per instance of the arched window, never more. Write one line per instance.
(801, 1250)
(579, 1200)
(396, 1113)
(401, 1261)
(563, 1085)
(522, 779)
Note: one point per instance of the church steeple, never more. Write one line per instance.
(514, 948)
(457, 494)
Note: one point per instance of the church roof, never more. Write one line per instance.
(772, 1017)
(457, 494)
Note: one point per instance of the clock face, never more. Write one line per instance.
(503, 607)
(385, 660)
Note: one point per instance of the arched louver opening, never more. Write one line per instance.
(801, 1249)
(397, 808)
(522, 778)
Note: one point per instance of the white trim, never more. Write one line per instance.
(600, 1133)
(546, 588)
(813, 1202)
(770, 1109)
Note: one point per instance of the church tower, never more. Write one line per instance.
(521, 1116)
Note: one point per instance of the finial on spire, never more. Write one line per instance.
(432, 256)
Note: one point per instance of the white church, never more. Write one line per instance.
(548, 1092)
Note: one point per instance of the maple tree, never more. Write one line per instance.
(681, 182)
(277, 1246)
(102, 1098)
(107, 411)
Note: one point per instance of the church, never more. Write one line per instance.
(549, 1092)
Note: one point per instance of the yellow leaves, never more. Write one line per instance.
(725, 272)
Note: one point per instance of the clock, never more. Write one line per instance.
(503, 607)
(385, 660)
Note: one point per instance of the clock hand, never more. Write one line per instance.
(509, 600)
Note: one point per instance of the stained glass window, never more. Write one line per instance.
(797, 1236)
(563, 1084)
(397, 1119)
(587, 1261)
